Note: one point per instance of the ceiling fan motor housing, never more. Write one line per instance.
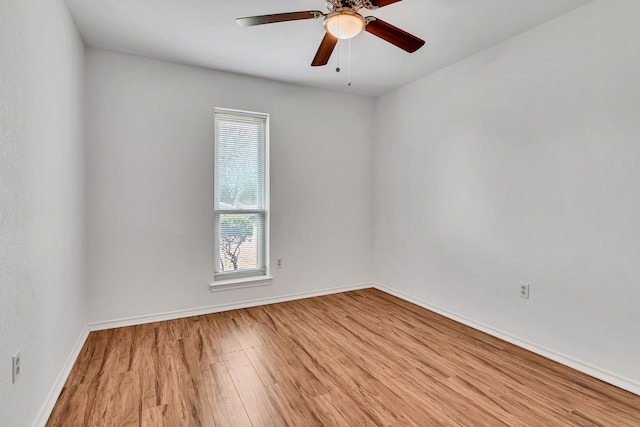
(354, 5)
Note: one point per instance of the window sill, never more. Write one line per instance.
(244, 282)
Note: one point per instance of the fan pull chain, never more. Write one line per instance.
(349, 65)
(338, 49)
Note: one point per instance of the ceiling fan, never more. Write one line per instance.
(344, 22)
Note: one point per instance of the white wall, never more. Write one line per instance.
(42, 238)
(149, 171)
(522, 163)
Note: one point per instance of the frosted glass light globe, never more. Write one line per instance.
(344, 25)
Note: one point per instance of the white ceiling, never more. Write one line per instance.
(204, 33)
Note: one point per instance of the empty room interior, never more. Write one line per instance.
(311, 212)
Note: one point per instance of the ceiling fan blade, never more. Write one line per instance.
(325, 50)
(394, 35)
(278, 17)
(382, 3)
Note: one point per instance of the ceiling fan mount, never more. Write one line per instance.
(355, 5)
(343, 22)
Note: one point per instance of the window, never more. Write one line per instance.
(241, 194)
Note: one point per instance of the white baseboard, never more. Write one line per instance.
(52, 398)
(170, 315)
(578, 365)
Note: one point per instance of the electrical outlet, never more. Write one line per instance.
(279, 263)
(16, 365)
(524, 290)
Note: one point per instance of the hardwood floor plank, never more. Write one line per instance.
(222, 335)
(120, 351)
(361, 358)
(336, 409)
(125, 405)
(207, 343)
(256, 357)
(92, 359)
(99, 413)
(74, 405)
(243, 328)
(156, 416)
(224, 399)
(254, 397)
(236, 359)
(292, 405)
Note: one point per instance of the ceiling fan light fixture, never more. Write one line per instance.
(344, 25)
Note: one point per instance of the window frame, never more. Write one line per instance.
(248, 277)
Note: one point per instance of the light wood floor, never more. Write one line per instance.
(359, 358)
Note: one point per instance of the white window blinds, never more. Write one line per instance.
(241, 196)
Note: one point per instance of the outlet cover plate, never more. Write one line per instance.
(16, 367)
(523, 290)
